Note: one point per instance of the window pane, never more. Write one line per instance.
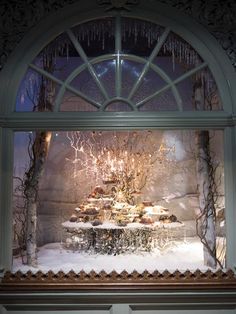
(87, 84)
(118, 200)
(106, 73)
(63, 56)
(72, 102)
(199, 92)
(36, 93)
(179, 52)
(131, 71)
(151, 83)
(139, 37)
(163, 102)
(96, 37)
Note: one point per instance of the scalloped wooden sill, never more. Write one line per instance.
(72, 281)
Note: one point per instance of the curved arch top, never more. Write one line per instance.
(70, 16)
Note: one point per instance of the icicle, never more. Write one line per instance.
(187, 55)
(173, 60)
(83, 34)
(67, 51)
(194, 58)
(191, 57)
(94, 33)
(103, 42)
(88, 39)
(188, 59)
(129, 29)
(181, 52)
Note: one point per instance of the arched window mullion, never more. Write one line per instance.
(172, 85)
(66, 85)
(190, 72)
(89, 100)
(122, 99)
(163, 89)
(62, 90)
(149, 61)
(118, 49)
(87, 62)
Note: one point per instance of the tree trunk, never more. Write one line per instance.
(38, 152)
(206, 231)
(40, 149)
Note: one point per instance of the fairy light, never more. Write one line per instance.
(115, 159)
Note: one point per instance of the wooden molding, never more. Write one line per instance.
(50, 281)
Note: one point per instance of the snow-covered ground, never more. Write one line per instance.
(182, 256)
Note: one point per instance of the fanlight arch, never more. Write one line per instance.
(159, 64)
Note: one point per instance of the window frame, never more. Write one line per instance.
(11, 121)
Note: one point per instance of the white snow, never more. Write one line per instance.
(181, 256)
(111, 225)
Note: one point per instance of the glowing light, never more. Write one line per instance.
(119, 158)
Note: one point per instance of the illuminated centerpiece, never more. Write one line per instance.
(115, 217)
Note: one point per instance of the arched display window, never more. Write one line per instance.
(118, 142)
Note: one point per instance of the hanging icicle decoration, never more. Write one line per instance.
(137, 29)
(173, 60)
(67, 51)
(178, 49)
(100, 31)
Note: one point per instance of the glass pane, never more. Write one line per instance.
(163, 102)
(179, 54)
(120, 200)
(86, 84)
(199, 92)
(172, 68)
(139, 37)
(62, 56)
(150, 83)
(130, 74)
(96, 37)
(36, 93)
(72, 102)
(65, 66)
(106, 73)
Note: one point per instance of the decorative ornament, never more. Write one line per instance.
(149, 280)
(118, 4)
